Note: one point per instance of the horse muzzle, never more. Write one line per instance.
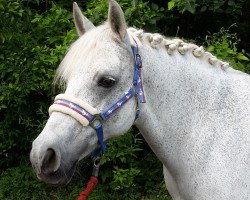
(51, 165)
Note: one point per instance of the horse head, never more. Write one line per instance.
(97, 70)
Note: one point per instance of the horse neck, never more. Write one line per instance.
(176, 87)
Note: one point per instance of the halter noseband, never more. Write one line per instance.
(87, 115)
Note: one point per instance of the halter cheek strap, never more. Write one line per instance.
(137, 80)
(88, 115)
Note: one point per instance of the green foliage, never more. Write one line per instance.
(231, 7)
(224, 45)
(20, 182)
(31, 48)
(124, 178)
(121, 166)
(137, 13)
(195, 18)
(127, 160)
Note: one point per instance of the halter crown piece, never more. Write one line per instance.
(87, 115)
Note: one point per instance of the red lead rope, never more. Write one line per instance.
(93, 179)
(91, 184)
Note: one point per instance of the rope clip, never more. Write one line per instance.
(96, 166)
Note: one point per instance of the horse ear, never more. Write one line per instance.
(82, 23)
(116, 19)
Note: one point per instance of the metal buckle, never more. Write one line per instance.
(96, 166)
(97, 117)
(138, 60)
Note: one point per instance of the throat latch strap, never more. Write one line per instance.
(137, 80)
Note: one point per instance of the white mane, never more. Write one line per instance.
(157, 41)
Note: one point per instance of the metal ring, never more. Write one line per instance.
(97, 161)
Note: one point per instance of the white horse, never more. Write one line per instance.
(196, 117)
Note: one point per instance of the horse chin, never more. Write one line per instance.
(58, 178)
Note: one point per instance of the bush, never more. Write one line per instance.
(224, 45)
(20, 182)
(32, 47)
(230, 7)
(193, 19)
(137, 13)
(127, 161)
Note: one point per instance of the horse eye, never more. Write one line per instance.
(106, 82)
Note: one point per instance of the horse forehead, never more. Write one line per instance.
(105, 51)
(100, 38)
(105, 55)
(104, 58)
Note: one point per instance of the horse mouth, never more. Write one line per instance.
(60, 177)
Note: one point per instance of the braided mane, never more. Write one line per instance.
(157, 41)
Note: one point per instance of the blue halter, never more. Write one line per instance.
(95, 120)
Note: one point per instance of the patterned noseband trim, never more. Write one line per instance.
(81, 111)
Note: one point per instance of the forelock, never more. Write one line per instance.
(81, 49)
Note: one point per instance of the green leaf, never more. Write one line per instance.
(190, 6)
(203, 9)
(171, 4)
(155, 6)
(210, 48)
(240, 56)
(231, 3)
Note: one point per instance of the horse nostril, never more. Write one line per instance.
(50, 162)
